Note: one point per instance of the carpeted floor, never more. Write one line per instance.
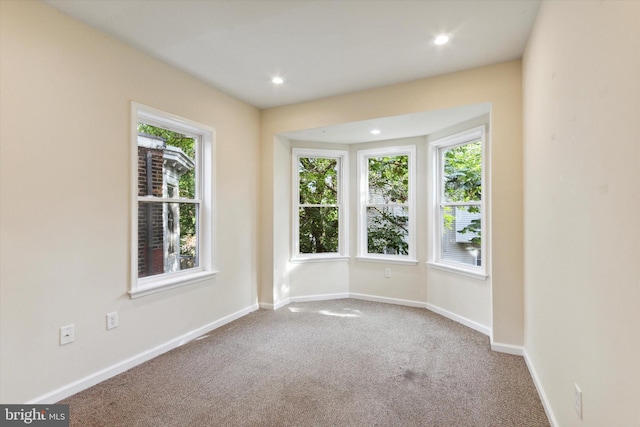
(331, 363)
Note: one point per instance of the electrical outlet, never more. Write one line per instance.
(387, 273)
(67, 334)
(577, 393)
(112, 320)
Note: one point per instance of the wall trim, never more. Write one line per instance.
(516, 350)
(279, 304)
(113, 370)
(320, 297)
(305, 298)
(460, 319)
(396, 301)
(543, 396)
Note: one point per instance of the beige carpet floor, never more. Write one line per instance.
(332, 363)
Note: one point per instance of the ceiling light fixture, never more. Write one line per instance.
(375, 131)
(277, 80)
(441, 39)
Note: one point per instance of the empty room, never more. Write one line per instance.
(331, 212)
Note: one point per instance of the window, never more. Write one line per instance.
(319, 213)
(458, 201)
(386, 229)
(172, 221)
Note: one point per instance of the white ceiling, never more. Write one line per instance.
(321, 48)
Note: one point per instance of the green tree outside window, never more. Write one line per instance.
(387, 211)
(463, 183)
(319, 211)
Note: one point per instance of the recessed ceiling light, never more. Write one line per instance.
(277, 80)
(375, 131)
(441, 39)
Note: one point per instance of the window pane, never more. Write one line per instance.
(167, 237)
(318, 181)
(388, 179)
(188, 235)
(462, 181)
(318, 230)
(461, 239)
(388, 230)
(166, 163)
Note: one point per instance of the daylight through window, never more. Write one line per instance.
(167, 203)
(173, 198)
(459, 195)
(319, 217)
(387, 203)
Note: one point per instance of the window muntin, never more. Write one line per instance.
(173, 221)
(459, 202)
(386, 220)
(319, 216)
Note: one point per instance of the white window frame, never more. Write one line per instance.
(342, 157)
(363, 203)
(436, 148)
(205, 197)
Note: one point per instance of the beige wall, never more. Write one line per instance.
(65, 203)
(582, 210)
(499, 85)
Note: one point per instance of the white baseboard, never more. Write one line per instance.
(111, 371)
(396, 301)
(516, 350)
(306, 298)
(342, 295)
(278, 305)
(320, 297)
(543, 396)
(460, 319)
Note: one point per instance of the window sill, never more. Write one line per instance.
(387, 260)
(159, 285)
(318, 258)
(459, 270)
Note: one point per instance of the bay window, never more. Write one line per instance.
(459, 224)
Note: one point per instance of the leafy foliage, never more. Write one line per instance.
(474, 227)
(463, 173)
(463, 183)
(387, 230)
(387, 226)
(389, 179)
(319, 224)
